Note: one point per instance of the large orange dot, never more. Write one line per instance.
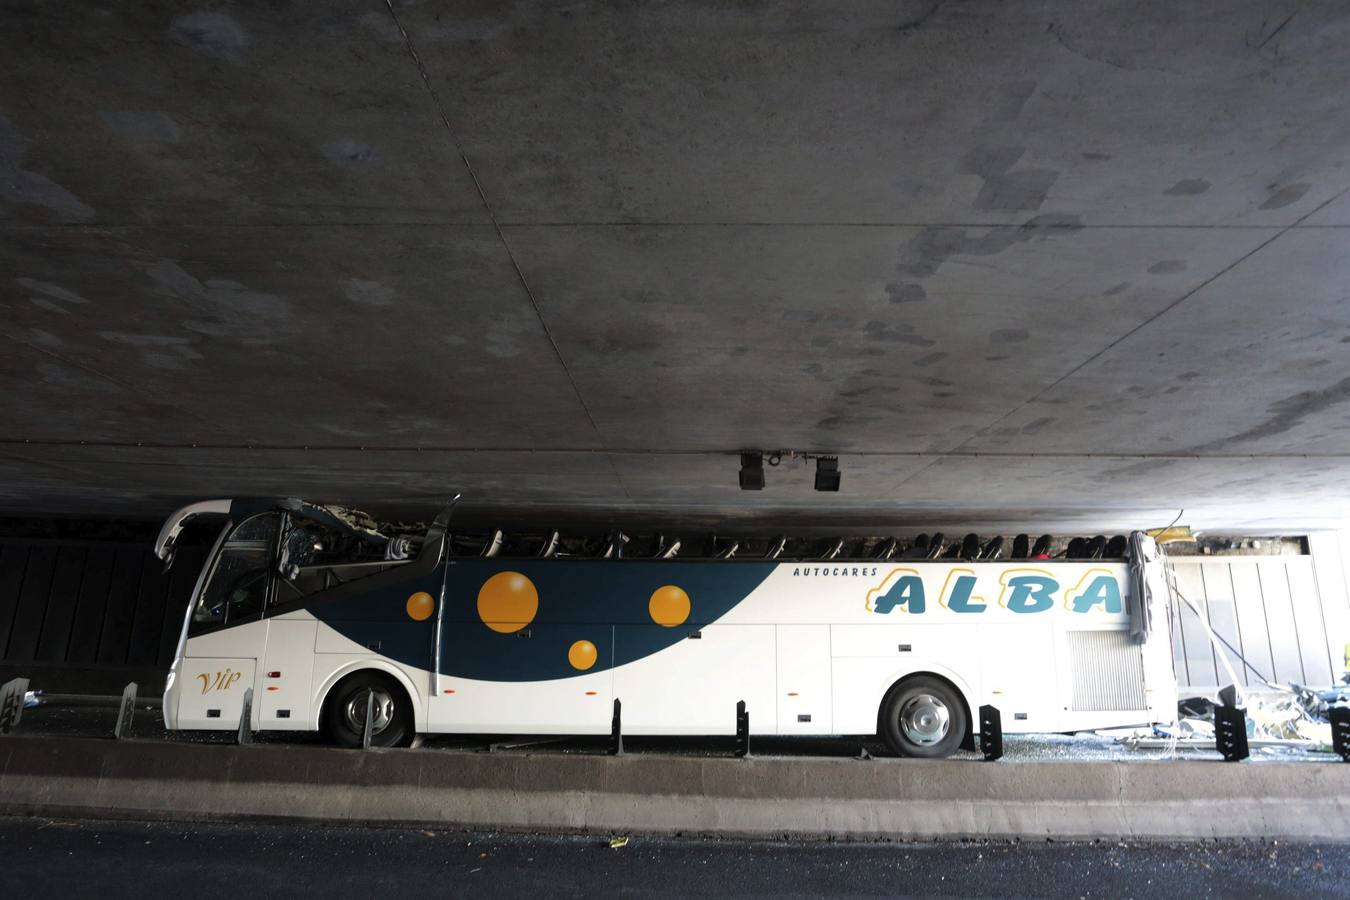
(582, 655)
(669, 606)
(507, 602)
(421, 606)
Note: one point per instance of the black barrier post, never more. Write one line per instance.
(616, 730)
(742, 730)
(125, 710)
(246, 718)
(11, 703)
(370, 719)
(1340, 731)
(991, 732)
(1230, 732)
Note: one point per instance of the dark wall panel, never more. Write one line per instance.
(148, 615)
(13, 561)
(61, 602)
(121, 609)
(90, 606)
(37, 589)
(89, 613)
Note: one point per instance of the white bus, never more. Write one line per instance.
(316, 610)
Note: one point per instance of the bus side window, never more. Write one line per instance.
(237, 589)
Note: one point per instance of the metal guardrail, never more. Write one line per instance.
(11, 703)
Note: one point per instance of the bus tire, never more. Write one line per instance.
(923, 716)
(344, 711)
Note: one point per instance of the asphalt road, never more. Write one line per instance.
(46, 858)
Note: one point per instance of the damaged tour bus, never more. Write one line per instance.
(323, 613)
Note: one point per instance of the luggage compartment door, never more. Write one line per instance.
(804, 679)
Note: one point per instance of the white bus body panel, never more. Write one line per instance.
(809, 641)
(693, 687)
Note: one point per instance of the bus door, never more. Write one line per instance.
(226, 631)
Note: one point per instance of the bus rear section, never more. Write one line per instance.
(907, 650)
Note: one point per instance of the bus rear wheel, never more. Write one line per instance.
(391, 718)
(924, 717)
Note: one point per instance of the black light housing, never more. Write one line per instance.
(752, 471)
(827, 473)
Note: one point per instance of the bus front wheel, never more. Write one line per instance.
(391, 715)
(923, 716)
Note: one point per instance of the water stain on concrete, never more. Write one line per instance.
(52, 291)
(221, 307)
(43, 338)
(1291, 193)
(988, 162)
(922, 255)
(212, 34)
(1013, 98)
(907, 292)
(367, 293)
(142, 126)
(1119, 288)
(1092, 156)
(158, 351)
(73, 378)
(1167, 267)
(1008, 335)
(348, 152)
(1188, 187)
(898, 334)
(928, 360)
(1287, 414)
(1025, 190)
(1004, 189)
(1037, 425)
(23, 186)
(49, 306)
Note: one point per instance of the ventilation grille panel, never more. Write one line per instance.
(1108, 671)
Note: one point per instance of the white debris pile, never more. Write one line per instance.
(1279, 718)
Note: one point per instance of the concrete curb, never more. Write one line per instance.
(756, 797)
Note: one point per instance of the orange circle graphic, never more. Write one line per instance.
(669, 606)
(582, 655)
(507, 602)
(421, 606)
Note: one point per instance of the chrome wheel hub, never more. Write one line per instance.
(924, 719)
(381, 714)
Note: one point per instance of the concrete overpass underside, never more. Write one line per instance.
(1014, 263)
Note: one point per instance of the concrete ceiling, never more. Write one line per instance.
(1051, 264)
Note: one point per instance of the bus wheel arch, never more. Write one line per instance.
(343, 702)
(919, 695)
